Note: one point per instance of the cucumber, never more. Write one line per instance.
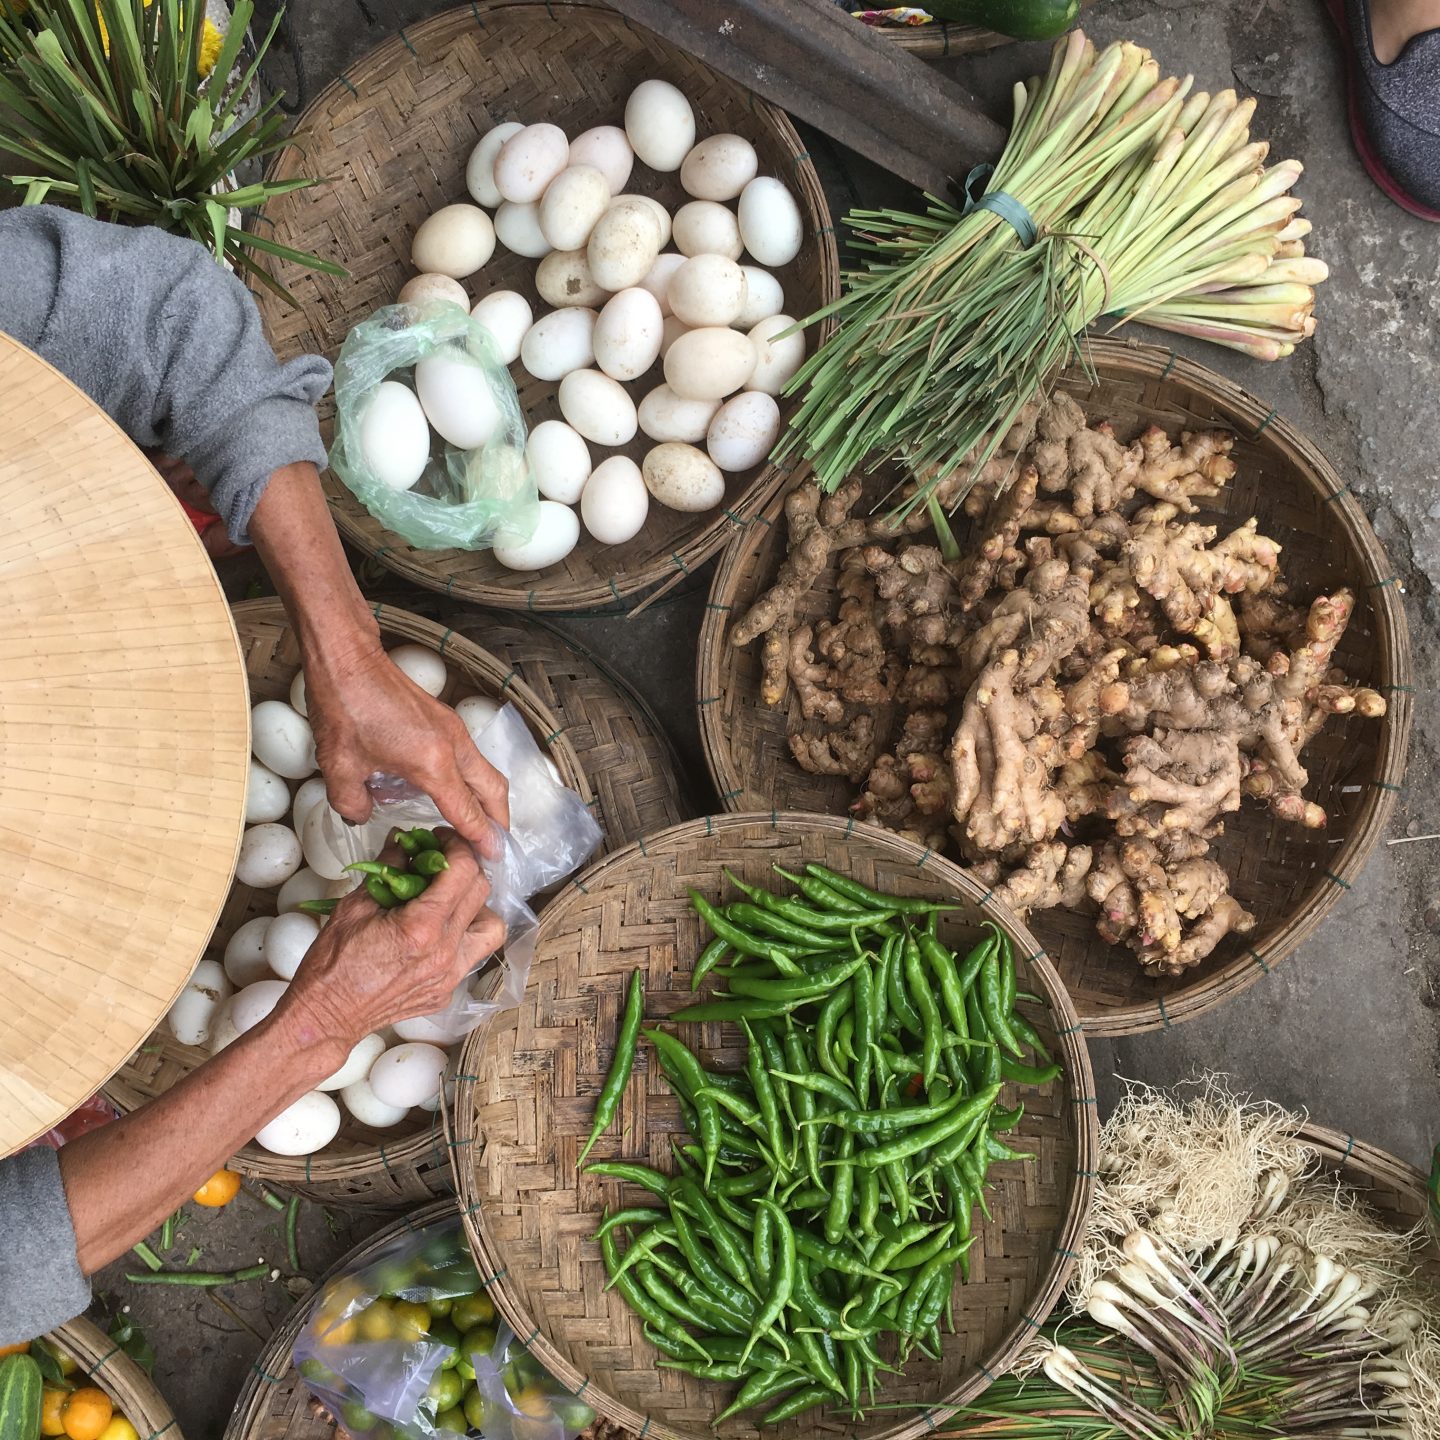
(1019, 19)
(19, 1398)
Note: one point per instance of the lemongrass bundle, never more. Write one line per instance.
(1120, 195)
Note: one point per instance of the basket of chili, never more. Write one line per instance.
(571, 1072)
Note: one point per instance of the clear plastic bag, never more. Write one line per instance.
(552, 833)
(385, 1350)
(465, 499)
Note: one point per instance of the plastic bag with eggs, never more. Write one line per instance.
(429, 435)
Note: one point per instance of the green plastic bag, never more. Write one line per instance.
(465, 499)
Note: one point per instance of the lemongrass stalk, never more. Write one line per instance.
(1306, 271)
(1272, 317)
(1297, 229)
(1290, 250)
(1256, 347)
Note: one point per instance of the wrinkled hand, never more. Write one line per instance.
(369, 716)
(370, 967)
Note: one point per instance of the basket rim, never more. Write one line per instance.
(620, 593)
(1343, 1151)
(1074, 1055)
(1132, 357)
(121, 1378)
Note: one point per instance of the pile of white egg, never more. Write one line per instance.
(285, 850)
(622, 301)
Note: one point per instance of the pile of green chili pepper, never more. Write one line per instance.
(826, 1201)
(388, 886)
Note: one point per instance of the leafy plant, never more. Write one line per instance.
(104, 109)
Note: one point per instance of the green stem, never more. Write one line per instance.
(145, 1253)
(202, 1278)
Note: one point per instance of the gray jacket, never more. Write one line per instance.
(170, 345)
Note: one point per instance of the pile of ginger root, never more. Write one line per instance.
(1079, 701)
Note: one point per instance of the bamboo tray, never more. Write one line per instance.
(131, 1390)
(525, 1096)
(393, 134)
(1290, 878)
(361, 1167)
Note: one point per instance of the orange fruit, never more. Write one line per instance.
(20, 1347)
(220, 1189)
(531, 1400)
(51, 1403)
(85, 1413)
(119, 1428)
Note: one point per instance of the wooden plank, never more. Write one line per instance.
(810, 58)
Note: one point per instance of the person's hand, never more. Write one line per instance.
(368, 716)
(370, 967)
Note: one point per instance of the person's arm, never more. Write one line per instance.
(368, 968)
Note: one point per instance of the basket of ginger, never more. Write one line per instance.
(1159, 703)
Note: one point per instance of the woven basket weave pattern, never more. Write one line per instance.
(1288, 876)
(130, 1389)
(395, 132)
(526, 1094)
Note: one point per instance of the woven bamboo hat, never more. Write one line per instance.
(124, 737)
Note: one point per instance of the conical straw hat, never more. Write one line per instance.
(124, 736)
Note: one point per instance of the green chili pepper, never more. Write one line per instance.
(741, 940)
(318, 907)
(875, 899)
(923, 1251)
(825, 1025)
(765, 1097)
(755, 919)
(747, 1184)
(835, 1258)
(635, 1174)
(734, 1010)
(708, 1272)
(997, 1019)
(762, 1239)
(635, 1297)
(1027, 1032)
(797, 1404)
(763, 1385)
(808, 987)
(998, 1150)
(668, 1297)
(623, 1062)
(900, 1003)
(947, 978)
(842, 1181)
(640, 1215)
(968, 970)
(407, 842)
(925, 1006)
(429, 863)
(710, 957)
(381, 893)
(826, 1085)
(782, 1281)
(931, 1134)
(422, 838)
(664, 1232)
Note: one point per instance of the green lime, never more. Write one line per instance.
(571, 1413)
(451, 1422)
(357, 1417)
(394, 1277)
(475, 1408)
(447, 1390)
(316, 1370)
(439, 1307)
(472, 1310)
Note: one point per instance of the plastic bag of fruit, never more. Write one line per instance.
(411, 1346)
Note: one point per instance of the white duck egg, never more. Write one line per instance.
(447, 1094)
(777, 355)
(517, 225)
(559, 460)
(615, 502)
(394, 435)
(288, 940)
(606, 148)
(422, 665)
(194, 1009)
(455, 241)
(764, 297)
(558, 343)
(475, 712)
(252, 1004)
(598, 407)
(307, 797)
(661, 214)
(362, 1056)
(770, 223)
(744, 430)
(683, 477)
(457, 400)
(408, 1074)
(627, 334)
(269, 856)
(368, 1108)
(529, 160)
(556, 534)
(505, 317)
(281, 740)
(659, 124)
(719, 167)
(563, 278)
(245, 952)
(623, 245)
(222, 1028)
(424, 1028)
(674, 328)
(704, 227)
(709, 363)
(298, 702)
(267, 796)
(657, 281)
(310, 1124)
(480, 168)
(419, 288)
(575, 199)
(319, 855)
(707, 290)
(663, 415)
(304, 884)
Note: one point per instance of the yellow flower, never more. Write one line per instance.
(210, 42)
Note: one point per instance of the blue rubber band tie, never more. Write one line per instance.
(1349, 1146)
(920, 864)
(849, 827)
(929, 1420)
(1336, 494)
(708, 699)
(156, 1434)
(987, 1372)
(1164, 1018)
(1071, 1030)
(408, 45)
(1400, 689)
(1386, 785)
(1169, 366)
(1331, 875)
(345, 81)
(105, 1358)
(1381, 584)
(710, 824)
(1007, 207)
(266, 1375)
(684, 568)
(1265, 423)
(1260, 961)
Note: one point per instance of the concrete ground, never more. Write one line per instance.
(1346, 1028)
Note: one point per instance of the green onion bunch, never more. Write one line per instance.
(1148, 202)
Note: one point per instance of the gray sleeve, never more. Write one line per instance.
(167, 342)
(40, 1281)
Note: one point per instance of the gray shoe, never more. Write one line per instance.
(1394, 110)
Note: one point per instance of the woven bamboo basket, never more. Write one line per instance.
(130, 1389)
(525, 1099)
(393, 134)
(274, 1404)
(361, 1167)
(1289, 877)
(623, 748)
(940, 38)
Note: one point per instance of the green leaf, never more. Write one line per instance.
(199, 127)
(47, 1364)
(87, 190)
(131, 1339)
(219, 224)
